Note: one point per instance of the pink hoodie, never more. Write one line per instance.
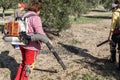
(34, 26)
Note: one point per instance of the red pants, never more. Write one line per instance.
(28, 58)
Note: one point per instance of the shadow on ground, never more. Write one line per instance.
(98, 11)
(9, 62)
(77, 51)
(99, 17)
(100, 66)
(6, 14)
(45, 70)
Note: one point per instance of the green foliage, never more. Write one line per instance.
(75, 41)
(6, 4)
(55, 13)
(106, 3)
(90, 19)
(88, 77)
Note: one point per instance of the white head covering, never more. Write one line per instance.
(113, 5)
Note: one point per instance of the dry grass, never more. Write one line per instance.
(77, 48)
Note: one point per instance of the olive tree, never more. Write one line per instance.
(56, 13)
(106, 3)
(7, 4)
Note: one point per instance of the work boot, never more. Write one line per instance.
(119, 63)
(113, 58)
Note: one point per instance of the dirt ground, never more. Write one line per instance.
(76, 47)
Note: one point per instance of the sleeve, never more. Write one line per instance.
(37, 25)
(114, 21)
(39, 37)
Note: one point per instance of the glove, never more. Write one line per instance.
(25, 36)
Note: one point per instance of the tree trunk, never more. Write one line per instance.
(3, 13)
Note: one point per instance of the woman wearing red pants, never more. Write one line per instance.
(30, 51)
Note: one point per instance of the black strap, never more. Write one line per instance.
(28, 16)
(23, 18)
(18, 18)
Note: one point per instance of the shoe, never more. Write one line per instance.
(118, 68)
(111, 61)
(113, 58)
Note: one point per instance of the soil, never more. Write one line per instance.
(76, 47)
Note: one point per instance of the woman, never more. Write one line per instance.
(30, 51)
